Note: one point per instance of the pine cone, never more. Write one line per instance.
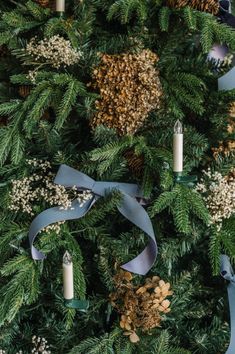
(43, 3)
(3, 51)
(135, 163)
(3, 121)
(52, 5)
(211, 6)
(24, 90)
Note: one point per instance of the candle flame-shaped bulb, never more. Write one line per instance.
(178, 128)
(67, 259)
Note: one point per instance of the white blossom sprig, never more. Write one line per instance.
(39, 186)
(55, 51)
(40, 346)
(218, 192)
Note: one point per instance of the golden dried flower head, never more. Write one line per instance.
(231, 119)
(140, 307)
(225, 148)
(211, 6)
(129, 88)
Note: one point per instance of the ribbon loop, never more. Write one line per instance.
(228, 274)
(130, 208)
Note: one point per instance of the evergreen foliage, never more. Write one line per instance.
(53, 122)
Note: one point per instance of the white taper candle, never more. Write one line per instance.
(60, 5)
(68, 276)
(178, 147)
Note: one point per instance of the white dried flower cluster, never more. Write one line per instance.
(83, 197)
(219, 194)
(56, 51)
(40, 345)
(53, 227)
(32, 75)
(37, 187)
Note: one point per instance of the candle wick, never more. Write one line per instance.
(67, 259)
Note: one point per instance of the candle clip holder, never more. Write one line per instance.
(60, 14)
(80, 305)
(188, 181)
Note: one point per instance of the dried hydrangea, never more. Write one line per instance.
(56, 51)
(140, 307)
(231, 119)
(225, 148)
(218, 192)
(39, 186)
(129, 87)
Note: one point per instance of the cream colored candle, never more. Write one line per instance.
(68, 276)
(178, 147)
(60, 5)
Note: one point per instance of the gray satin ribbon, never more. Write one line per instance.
(130, 208)
(228, 274)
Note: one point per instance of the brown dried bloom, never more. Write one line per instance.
(218, 193)
(225, 148)
(211, 6)
(140, 307)
(231, 120)
(129, 87)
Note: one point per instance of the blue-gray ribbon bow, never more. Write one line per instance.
(228, 274)
(130, 208)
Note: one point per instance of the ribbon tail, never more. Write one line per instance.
(231, 298)
(227, 273)
(134, 212)
(51, 216)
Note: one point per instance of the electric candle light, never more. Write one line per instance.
(178, 147)
(60, 5)
(68, 276)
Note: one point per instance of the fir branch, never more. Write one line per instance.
(125, 9)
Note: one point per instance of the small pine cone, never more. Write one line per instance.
(46, 116)
(211, 6)
(3, 51)
(24, 91)
(43, 3)
(177, 3)
(135, 163)
(3, 121)
(52, 5)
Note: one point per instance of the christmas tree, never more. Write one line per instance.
(119, 252)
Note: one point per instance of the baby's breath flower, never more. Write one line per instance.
(218, 192)
(38, 187)
(56, 51)
(84, 197)
(32, 75)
